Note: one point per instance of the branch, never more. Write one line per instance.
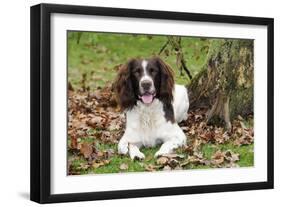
(163, 47)
(186, 69)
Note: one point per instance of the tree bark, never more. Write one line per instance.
(225, 83)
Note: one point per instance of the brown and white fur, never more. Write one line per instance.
(153, 104)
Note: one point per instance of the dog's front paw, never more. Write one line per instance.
(123, 148)
(137, 155)
(161, 152)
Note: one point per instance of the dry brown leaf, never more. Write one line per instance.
(208, 136)
(124, 166)
(217, 158)
(162, 161)
(150, 167)
(73, 144)
(96, 122)
(244, 140)
(100, 154)
(231, 156)
(108, 153)
(96, 164)
(86, 150)
(173, 163)
(197, 158)
(188, 149)
(173, 155)
(83, 166)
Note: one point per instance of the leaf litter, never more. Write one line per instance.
(94, 117)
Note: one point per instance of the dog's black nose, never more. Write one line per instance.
(146, 84)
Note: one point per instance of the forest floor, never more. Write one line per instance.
(95, 123)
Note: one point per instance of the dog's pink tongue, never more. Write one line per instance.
(147, 98)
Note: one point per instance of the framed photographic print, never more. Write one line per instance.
(132, 103)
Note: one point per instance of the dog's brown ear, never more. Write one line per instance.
(167, 81)
(124, 90)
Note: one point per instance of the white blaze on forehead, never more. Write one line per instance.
(145, 75)
(144, 65)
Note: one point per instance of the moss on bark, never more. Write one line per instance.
(225, 83)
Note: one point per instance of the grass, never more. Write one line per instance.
(116, 160)
(97, 54)
(245, 152)
(246, 158)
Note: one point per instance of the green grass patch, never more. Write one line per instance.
(97, 54)
(245, 152)
(117, 160)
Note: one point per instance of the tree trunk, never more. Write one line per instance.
(225, 83)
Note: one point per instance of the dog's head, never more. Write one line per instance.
(144, 80)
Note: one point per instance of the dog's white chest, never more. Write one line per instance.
(147, 120)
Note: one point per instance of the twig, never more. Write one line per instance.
(163, 47)
(186, 69)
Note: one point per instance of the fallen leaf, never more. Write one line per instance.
(231, 156)
(188, 149)
(173, 163)
(193, 159)
(217, 158)
(83, 166)
(173, 155)
(108, 153)
(150, 167)
(186, 162)
(124, 166)
(86, 150)
(198, 116)
(162, 161)
(208, 136)
(95, 122)
(192, 131)
(244, 140)
(73, 143)
(97, 164)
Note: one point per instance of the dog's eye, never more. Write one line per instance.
(137, 71)
(152, 70)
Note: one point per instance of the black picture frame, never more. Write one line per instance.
(41, 99)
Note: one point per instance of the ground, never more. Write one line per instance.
(96, 123)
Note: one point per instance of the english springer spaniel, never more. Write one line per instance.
(153, 104)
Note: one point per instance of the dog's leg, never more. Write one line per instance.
(130, 143)
(167, 148)
(123, 146)
(176, 140)
(135, 153)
